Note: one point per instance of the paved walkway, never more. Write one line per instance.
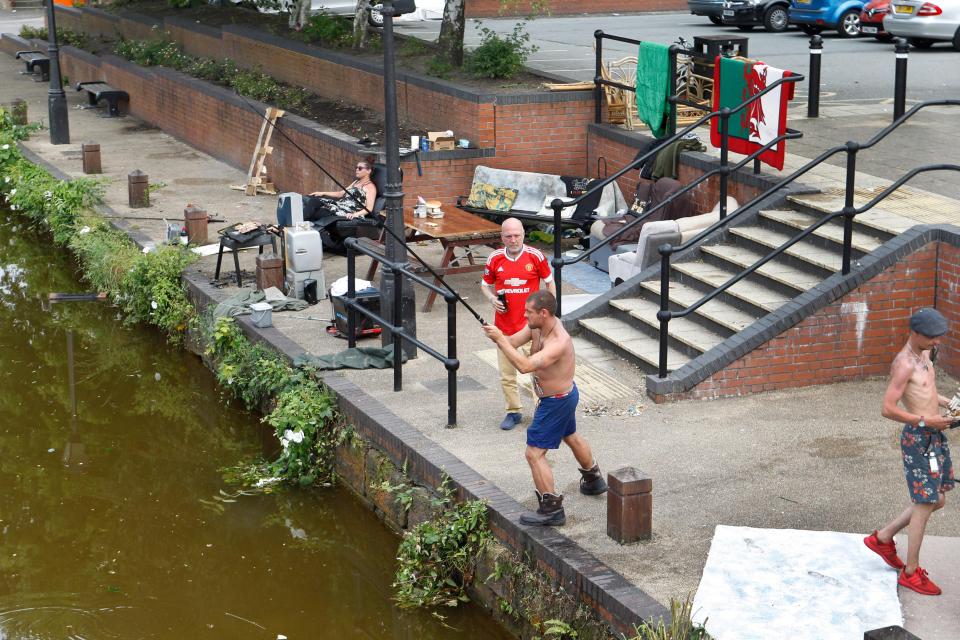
(815, 458)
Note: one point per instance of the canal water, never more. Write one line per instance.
(119, 525)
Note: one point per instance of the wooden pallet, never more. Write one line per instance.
(256, 183)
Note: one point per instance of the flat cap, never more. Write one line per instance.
(928, 322)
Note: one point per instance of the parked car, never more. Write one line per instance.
(924, 23)
(746, 14)
(347, 8)
(871, 19)
(712, 9)
(814, 16)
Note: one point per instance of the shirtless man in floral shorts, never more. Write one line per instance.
(926, 454)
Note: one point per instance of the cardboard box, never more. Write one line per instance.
(440, 141)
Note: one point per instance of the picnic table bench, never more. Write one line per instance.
(97, 90)
(34, 59)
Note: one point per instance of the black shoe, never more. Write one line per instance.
(550, 513)
(592, 482)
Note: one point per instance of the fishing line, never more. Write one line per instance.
(362, 206)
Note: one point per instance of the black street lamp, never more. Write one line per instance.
(59, 125)
(396, 251)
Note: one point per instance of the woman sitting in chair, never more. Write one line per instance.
(337, 214)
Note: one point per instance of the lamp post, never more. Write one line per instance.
(57, 101)
(396, 251)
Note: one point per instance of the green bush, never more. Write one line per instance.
(328, 30)
(500, 56)
(64, 36)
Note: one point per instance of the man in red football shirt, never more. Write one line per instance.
(510, 276)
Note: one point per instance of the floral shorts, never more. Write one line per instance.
(924, 483)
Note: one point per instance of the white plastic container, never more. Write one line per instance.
(304, 250)
(262, 315)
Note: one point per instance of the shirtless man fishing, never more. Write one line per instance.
(926, 453)
(552, 362)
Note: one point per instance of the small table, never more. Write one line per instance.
(455, 229)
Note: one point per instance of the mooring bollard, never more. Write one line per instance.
(18, 111)
(138, 189)
(91, 157)
(195, 219)
(629, 505)
(901, 49)
(813, 98)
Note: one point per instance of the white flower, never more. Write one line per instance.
(48, 194)
(284, 443)
(13, 192)
(6, 178)
(5, 147)
(153, 304)
(293, 436)
(84, 230)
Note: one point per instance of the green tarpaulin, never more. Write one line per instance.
(653, 86)
(356, 358)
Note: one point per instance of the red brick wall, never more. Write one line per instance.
(492, 8)
(948, 302)
(195, 43)
(853, 338)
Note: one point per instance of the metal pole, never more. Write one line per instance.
(724, 153)
(663, 315)
(557, 261)
(396, 251)
(351, 295)
(452, 367)
(813, 99)
(597, 77)
(57, 99)
(395, 335)
(901, 49)
(848, 210)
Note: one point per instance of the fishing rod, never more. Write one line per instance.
(363, 206)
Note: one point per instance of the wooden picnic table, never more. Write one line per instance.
(455, 229)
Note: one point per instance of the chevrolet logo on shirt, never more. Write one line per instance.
(515, 282)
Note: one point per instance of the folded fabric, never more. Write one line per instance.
(763, 120)
(239, 304)
(488, 196)
(546, 210)
(356, 358)
(665, 165)
(653, 86)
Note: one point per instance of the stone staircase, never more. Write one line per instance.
(630, 326)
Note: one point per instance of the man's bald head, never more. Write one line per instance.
(511, 233)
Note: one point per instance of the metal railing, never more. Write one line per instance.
(395, 326)
(664, 315)
(723, 171)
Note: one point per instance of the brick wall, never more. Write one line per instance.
(948, 302)
(492, 8)
(853, 338)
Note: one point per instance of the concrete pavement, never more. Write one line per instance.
(815, 458)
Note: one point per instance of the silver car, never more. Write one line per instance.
(924, 23)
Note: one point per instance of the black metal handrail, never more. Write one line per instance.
(724, 171)
(397, 331)
(664, 315)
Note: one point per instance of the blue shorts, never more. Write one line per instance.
(554, 420)
(924, 484)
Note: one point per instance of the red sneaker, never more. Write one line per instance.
(886, 550)
(919, 582)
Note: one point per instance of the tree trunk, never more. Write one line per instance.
(299, 12)
(450, 42)
(361, 26)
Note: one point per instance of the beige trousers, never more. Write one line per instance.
(508, 379)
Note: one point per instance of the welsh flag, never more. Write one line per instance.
(735, 81)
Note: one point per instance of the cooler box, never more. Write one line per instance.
(368, 299)
(304, 249)
(289, 209)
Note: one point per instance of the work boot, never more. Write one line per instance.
(592, 482)
(550, 513)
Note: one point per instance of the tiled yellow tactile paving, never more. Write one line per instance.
(595, 385)
(912, 206)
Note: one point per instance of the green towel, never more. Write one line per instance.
(653, 86)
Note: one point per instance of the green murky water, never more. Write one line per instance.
(112, 527)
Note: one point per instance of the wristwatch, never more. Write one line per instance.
(922, 424)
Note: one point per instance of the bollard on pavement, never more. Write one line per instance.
(629, 505)
(900, 83)
(813, 99)
(138, 189)
(195, 219)
(91, 157)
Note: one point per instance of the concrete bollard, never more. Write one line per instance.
(269, 271)
(629, 505)
(195, 219)
(91, 157)
(138, 189)
(18, 111)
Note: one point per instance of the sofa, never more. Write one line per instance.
(501, 193)
(623, 266)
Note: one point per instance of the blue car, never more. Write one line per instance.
(814, 16)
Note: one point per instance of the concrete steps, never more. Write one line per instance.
(631, 327)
